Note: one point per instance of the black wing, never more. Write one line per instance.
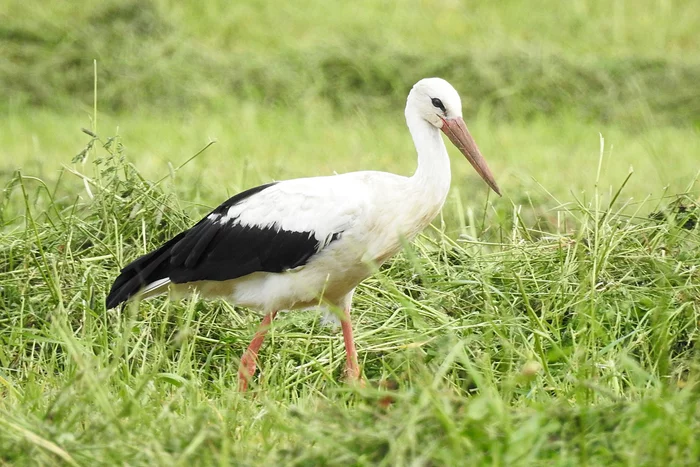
(217, 251)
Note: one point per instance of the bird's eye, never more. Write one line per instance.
(438, 103)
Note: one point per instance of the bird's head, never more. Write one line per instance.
(438, 103)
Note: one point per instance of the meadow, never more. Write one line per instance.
(553, 326)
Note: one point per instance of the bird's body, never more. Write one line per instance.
(310, 241)
(354, 222)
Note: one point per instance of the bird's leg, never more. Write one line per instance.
(352, 369)
(249, 358)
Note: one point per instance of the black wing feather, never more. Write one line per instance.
(214, 251)
(206, 233)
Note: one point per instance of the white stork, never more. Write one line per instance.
(297, 243)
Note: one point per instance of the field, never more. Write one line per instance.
(556, 325)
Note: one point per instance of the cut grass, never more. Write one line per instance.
(555, 326)
(540, 164)
(597, 60)
(573, 344)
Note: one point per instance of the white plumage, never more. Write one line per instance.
(299, 243)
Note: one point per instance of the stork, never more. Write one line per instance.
(299, 243)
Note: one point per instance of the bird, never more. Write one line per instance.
(301, 243)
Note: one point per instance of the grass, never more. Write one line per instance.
(556, 325)
(612, 61)
(530, 158)
(573, 345)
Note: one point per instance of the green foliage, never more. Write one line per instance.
(568, 345)
(556, 325)
(150, 57)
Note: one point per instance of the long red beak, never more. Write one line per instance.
(456, 130)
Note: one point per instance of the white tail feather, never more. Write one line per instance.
(155, 288)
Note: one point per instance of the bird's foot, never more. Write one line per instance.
(249, 358)
(245, 372)
(242, 382)
(353, 376)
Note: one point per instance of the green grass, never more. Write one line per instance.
(555, 325)
(622, 62)
(540, 164)
(573, 345)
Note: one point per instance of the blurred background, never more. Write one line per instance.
(313, 87)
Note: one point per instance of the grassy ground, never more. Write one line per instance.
(556, 325)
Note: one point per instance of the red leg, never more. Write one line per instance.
(352, 369)
(249, 358)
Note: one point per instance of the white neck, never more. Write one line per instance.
(431, 181)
